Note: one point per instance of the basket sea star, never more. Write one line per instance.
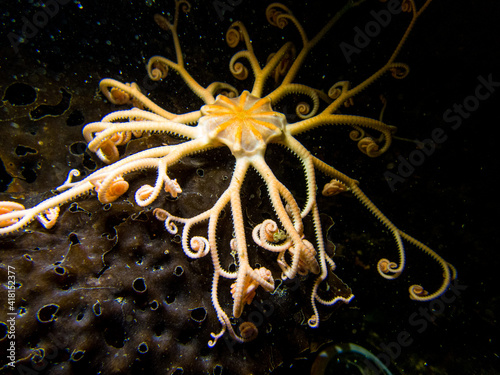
(246, 124)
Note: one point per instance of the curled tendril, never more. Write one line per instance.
(406, 6)
(338, 89)
(369, 147)
(334, 92)
(117, 188)
(121, 138)
(137, 133)
(158, 71)
(313, 321)
(267, 234)
(108, 152)
(233, 36)
(276, 17)
(229, 94)
(119, 96)
(248, 331)
(185, 6)
(69, 180)
(165, 216)
(143, 194)
(172, 187)
(303, 109)
(357, 134)
(268, 229)
(239, 71)
(349, 102)
(399, 70)
(284, 65)
(160, 214)
(388, 270)
(199, 246)
(170, 225)
(49, 217)
(334, 187)
(308, 262)
(211, 343)
(417, 292)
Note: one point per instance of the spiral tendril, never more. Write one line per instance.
(276, 17)
(239, 71)
(233, 36)
(388, 270)
(417, 292)
(334, 187)
(369, 147)
(399, 70)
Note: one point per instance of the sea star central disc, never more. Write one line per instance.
(245, 124)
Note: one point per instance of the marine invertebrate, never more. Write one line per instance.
(246, 124)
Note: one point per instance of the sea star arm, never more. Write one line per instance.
(147, 194)
(271, 66)
(172, 27)
(350, 120)
(101, 134)
(306, 160)
(323, 259)
(109, 184)
(198, 246)
(160, 61)
(278, 15)
(399, 70)
(245, 271)
(120, 93)
(158, 66)
(231, 195)
(300, 249)
(136, 114)
(99, 175)
(111, 133)
(132, 114)
(387, 269)
(236, 180)
(19, 218)
(417, 292)
(296, 88)
(236, 33)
